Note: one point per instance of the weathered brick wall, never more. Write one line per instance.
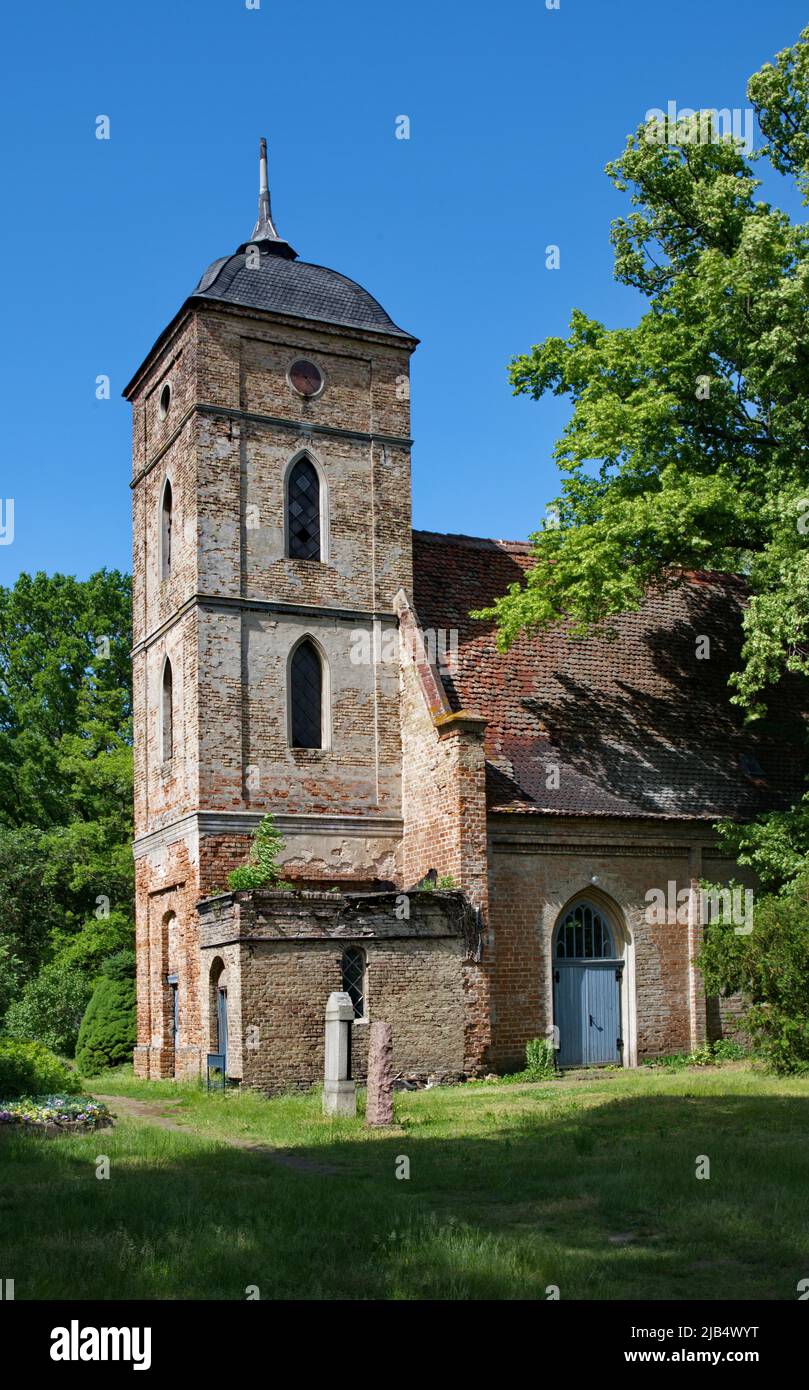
(243, 461)
(225, 444)
(444, 811)
(538, 868)
(165, 888)
(165, 449)
(289, 961)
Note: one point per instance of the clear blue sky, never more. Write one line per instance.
(514, 110)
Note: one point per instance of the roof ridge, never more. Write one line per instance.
(484, 542)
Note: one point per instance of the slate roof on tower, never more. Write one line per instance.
(285, 286)
(637, 726)
(276, 281)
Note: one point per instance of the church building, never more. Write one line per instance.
(483, 847)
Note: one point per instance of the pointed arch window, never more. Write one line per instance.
(167, 712)
(166, 518)
(584, 934)
(306, 697)
(303, 511)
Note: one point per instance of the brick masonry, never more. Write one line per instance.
(399, 787)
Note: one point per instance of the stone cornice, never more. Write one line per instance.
(297, 427)
(202, 823)
(260, 605)
(597, 835)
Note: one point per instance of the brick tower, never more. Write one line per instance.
(271, 519)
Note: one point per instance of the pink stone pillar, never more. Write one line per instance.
(379, 1105)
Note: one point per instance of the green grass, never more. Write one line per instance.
(586, 1184)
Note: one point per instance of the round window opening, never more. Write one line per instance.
(165, 401)
(306, 378)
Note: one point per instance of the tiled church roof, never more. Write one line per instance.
(638, 726)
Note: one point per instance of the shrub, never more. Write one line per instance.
(50, 1007)
(29, 1068)
(540, 1058)
(770, 967)
(261, 869)
(726, 1050)
(108, 1029)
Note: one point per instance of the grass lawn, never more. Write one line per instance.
(588, 1184)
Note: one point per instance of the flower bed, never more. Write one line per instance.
(52, 1115)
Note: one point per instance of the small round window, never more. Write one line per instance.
(306, 378)
(165, 401)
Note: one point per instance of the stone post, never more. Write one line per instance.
(379, 1105)
(339, 1091)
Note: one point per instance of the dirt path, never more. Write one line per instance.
(154, 1113)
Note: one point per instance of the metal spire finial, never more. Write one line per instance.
(264, 229)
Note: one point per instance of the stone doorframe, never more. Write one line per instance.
(625, 945)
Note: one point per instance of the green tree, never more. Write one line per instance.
(770, 967)
(688, 441)
(51, 1006)
(66, 871)
(64, 672)
(107, 1033)
(29, 909)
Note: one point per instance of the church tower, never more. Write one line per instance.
(272, 531)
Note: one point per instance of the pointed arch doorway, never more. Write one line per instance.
(222, 1018)
(219, 1009)
(588, 975)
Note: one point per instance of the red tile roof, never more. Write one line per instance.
(637, 726)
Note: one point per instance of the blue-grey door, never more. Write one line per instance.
(587, 1011)
(222, 1023)
(586, 987)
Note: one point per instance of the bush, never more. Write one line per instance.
(50, 1007)
(261, 869)
(29, 1068)
(540, 1059)
(770, 967)
(726, 1050)
(709, 1055)
(108, 1029)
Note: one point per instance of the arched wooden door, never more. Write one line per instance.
(587, 976)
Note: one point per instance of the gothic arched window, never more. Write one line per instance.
(584, 934)
(165, 531)
(303, 511)
(352, 968)
(167, 713)
(306, 697)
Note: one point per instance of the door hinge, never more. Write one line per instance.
(556, 977)
(619, 1043)
(619, 975)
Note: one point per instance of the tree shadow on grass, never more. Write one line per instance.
(603, 1202)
